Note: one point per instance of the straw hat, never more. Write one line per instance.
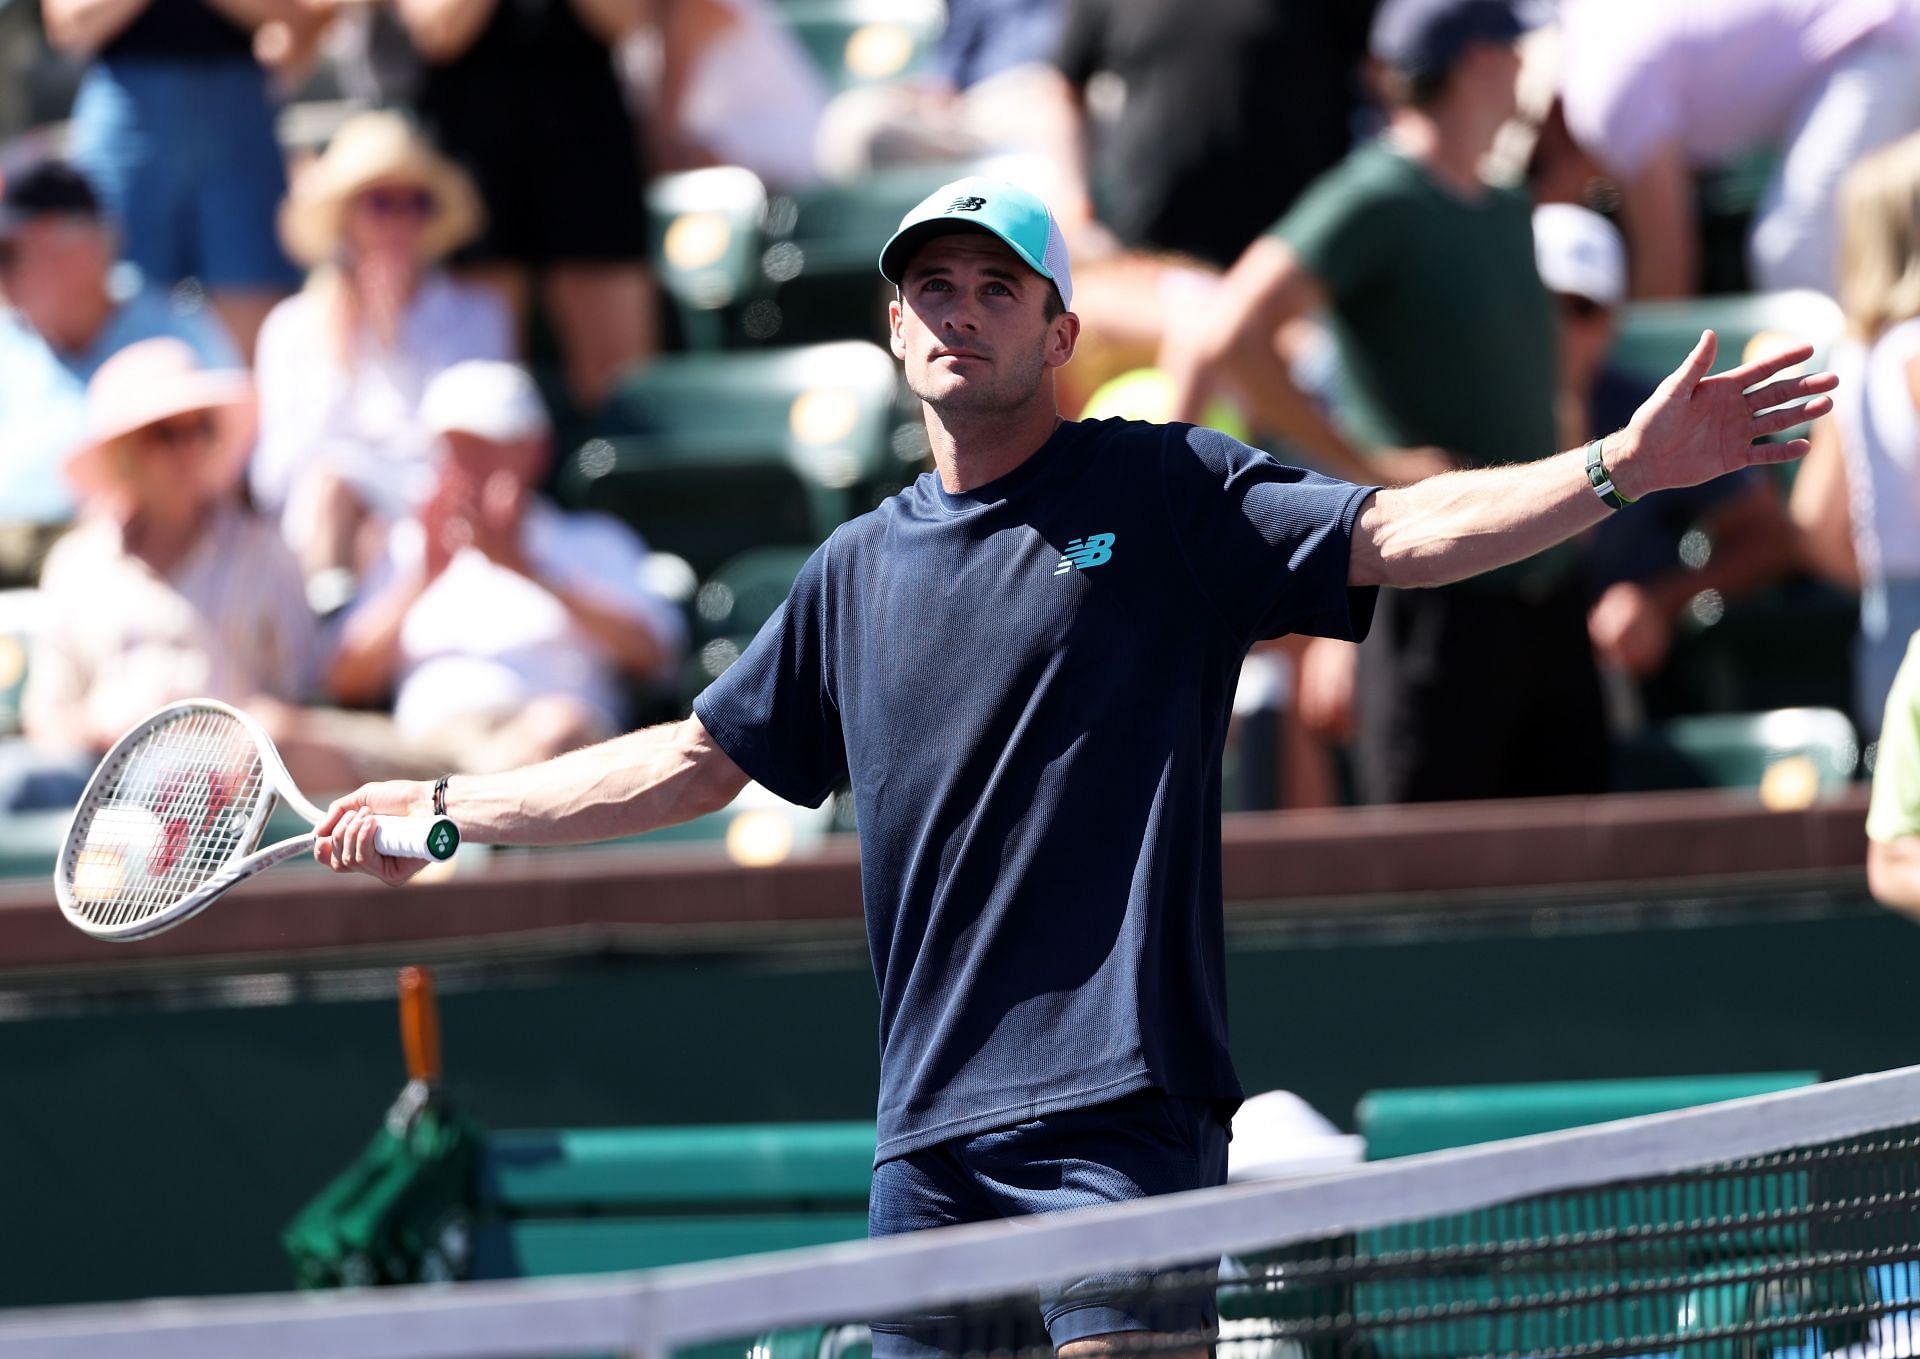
(152, 381)
(369, 149)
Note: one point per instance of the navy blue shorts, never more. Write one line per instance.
(1142, 1144)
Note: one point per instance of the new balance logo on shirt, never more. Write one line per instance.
(1083, 554)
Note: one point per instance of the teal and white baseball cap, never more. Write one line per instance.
(993, 205)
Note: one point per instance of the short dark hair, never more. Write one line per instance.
(46, 188)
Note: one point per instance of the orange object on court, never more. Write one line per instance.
(420, 1024)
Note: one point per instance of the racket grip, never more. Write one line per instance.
(416, 837)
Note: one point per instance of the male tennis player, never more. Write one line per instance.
(1023, 664)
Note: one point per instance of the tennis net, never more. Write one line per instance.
(1785, 1226)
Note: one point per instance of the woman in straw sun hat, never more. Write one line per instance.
(167, 588)
(344, 362)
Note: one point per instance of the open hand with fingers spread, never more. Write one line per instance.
(1694, 427)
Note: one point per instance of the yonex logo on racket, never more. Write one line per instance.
(966, 204)
(1083, 554)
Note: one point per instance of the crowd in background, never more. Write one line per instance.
(268, 433)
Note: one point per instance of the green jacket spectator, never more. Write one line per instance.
(1425, 274)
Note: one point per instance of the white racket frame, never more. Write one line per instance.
(404, 837)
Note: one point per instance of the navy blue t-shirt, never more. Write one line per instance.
(1028, 686)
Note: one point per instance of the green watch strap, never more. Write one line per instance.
(1600, 480)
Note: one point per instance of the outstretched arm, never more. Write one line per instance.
(1692, 429)
(633, 783)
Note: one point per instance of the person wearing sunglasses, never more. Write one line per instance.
(167, 587)
(344, 363)
(1640, 583)
(64, 316)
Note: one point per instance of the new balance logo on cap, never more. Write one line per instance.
(1083, 554)
(977, 203)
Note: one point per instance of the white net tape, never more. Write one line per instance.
(654, 1312)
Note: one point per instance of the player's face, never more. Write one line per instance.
(971, 326)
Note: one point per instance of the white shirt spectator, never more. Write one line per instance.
(229, 622)
(363, 421)
(1881, 438)
(1719, 76)
(766, 123)
(1824, 81)
(486, 640)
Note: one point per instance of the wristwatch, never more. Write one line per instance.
(1600, 480)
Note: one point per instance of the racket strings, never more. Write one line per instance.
(165, 818)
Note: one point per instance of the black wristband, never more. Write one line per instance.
(440, 795)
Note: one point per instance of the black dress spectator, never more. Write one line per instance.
(1231, 107)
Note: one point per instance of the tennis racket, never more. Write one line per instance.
(173, 817)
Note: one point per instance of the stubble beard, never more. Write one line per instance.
(1012, 390)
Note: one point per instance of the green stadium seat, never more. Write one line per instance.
(866, 42)
(744, 592)
(709, 231)
(1790, 756)
(712, 455)
(591, 1200)
(1409, 1121)
(1413, 1121)
(824, 246)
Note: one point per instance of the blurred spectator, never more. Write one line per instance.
(1893, 816)
(523, 93)
(174, 125)
(1446, 339)
(700, 109)
(167, 589)
(1638, 584)
(992, 70)
(504, 630)
(1657, 90)
(64, 319)
(370, 56)
(1227, 109)
(1874, 433)
(344, 363)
